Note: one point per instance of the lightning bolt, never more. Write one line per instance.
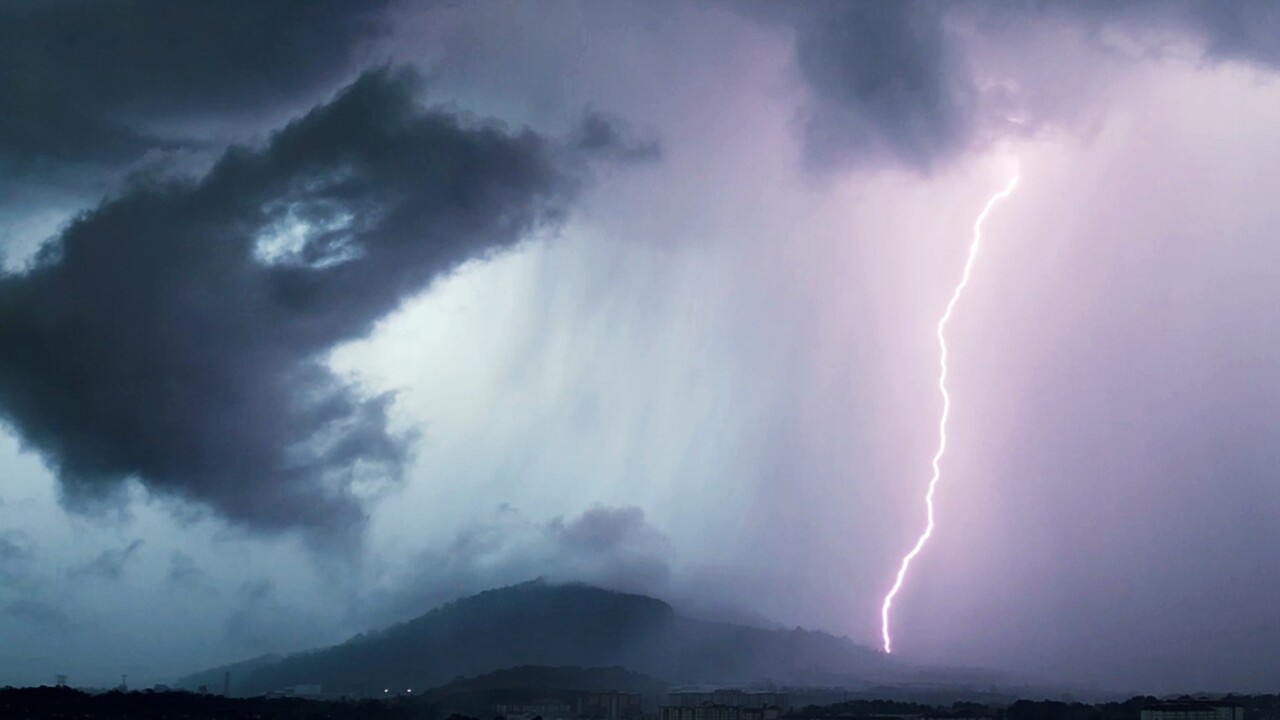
(946, 411)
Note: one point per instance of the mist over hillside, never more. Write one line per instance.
(542, 624)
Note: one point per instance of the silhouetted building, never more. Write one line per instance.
(311, 691)
(955, 716)
(546, 708)
(730, 698)
(719, 712)
(1192, 710)
(1048, 710)
(609, 706)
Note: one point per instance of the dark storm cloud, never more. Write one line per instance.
(261, 622)
(611, 547)
(604, 531)
(79, 78)
(183, 572)
(887, 82)
(176, 333)
(1242, 30)
(607, 135)
(15, 545)
(109, 563)
(34, 611)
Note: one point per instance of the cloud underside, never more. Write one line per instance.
(890, 82)
(611, 547)
(88, 82)
(176, 334)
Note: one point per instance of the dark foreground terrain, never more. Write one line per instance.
(60, 703)
(50, 703)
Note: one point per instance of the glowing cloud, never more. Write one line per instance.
(946, 411)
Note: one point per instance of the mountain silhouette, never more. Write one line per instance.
(543, 624)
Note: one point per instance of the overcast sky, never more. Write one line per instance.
(315, 315)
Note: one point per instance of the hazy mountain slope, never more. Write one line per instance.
(725, 652)
(575, 679)
(475, 697)
(563, 625)
(213, 678)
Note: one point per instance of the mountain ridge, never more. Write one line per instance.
(543, 624)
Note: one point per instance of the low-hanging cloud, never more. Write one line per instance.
(176, 333)
(260, 621)
(606, 546)
(887, 81)
(85, 82)
(110, 563)
(891, 83)
(39, 613)
(1224, 30)
(611, 547)
(15, 545)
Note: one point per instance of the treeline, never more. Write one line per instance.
(61, 703)
(1256, 707)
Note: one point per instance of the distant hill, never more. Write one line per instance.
(572, 679)
(541, 624)
(475, 697)
(212, 679)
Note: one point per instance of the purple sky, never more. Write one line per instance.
(710, 376)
